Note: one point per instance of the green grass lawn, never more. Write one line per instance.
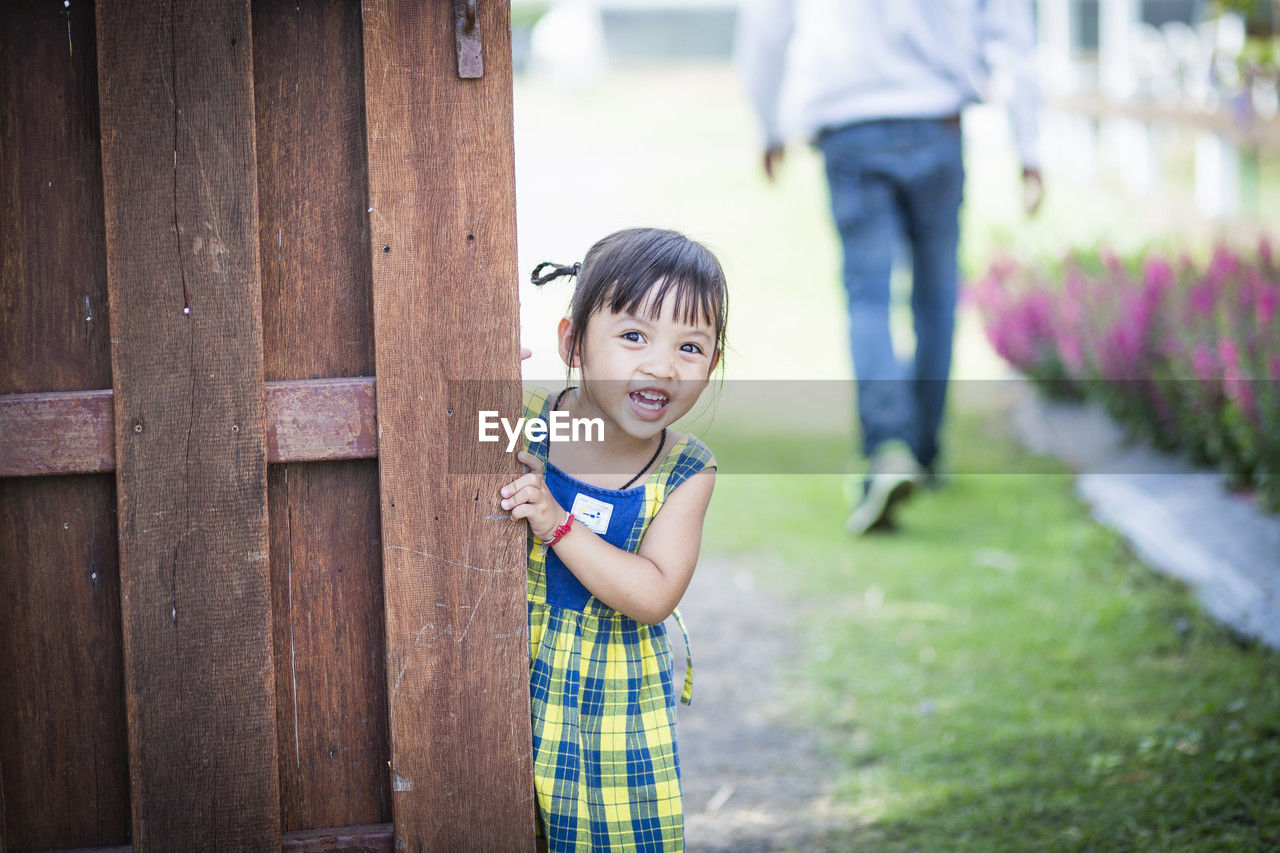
(1002, 674)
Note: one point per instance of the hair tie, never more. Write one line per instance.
(539, 278)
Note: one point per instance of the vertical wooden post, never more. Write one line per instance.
(1217, 175)
(442, 220)
(179, 181)
(1127, 142)
(1054, 19)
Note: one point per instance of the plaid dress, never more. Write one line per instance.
(606, 770)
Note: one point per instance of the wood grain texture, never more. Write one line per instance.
(73, 432)
(53, 288)
(329, 647)
(62, 735)
(60, 432)
(318, 419)
(375, 838)
(326, 563)
(62, 745)
(179, 179)
(441, 189)
(312, 190)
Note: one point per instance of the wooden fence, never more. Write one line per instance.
(253, 595)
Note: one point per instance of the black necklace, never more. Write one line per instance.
(654, 458)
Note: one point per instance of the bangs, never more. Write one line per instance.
(695, 303)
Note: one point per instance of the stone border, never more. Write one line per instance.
(1180, 520)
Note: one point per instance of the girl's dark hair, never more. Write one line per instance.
(637, 269)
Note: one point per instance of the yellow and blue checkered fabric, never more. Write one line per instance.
(606, 766)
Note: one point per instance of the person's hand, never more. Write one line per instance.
(773, 160)
(525, 353)
(529, 498)
(1032, 190)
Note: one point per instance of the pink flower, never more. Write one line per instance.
(1201, 299)
(1223, 265)
(1267, 298)
(1202, 363)
(1157, 277)
(1229, 355)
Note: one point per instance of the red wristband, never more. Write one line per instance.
(559, 532)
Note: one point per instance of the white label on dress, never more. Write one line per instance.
(593, 513)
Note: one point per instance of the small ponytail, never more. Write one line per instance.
(557, 270)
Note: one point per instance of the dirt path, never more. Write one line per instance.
(753, 781)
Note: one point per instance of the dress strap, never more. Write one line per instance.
(686, 695)
(536, 403)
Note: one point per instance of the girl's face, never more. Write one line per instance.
(642, 373)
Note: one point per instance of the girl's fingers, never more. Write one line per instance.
(534, 463)
(527, 495)
(516, 485)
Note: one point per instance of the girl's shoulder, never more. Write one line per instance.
(535, 405)
(536, 402)
(687, 457)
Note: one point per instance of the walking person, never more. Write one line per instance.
(878, 86)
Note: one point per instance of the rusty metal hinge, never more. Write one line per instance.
(466, 26)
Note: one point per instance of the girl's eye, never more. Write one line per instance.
(694, 348)
(632, 337)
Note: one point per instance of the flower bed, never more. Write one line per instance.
(1183, 354)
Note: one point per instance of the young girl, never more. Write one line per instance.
(615, 525)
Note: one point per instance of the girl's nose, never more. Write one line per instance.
(660, 367)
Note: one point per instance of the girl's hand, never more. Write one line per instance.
(529, 498)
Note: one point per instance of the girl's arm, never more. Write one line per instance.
(646, 586)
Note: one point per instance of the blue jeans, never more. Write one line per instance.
(891, 179)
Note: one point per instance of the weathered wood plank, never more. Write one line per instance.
(321, 419)
(326, 566)
(312, 190)
(441, 190)
(375, 838)
(179, 177)
(329, 646)
(62, 736)
(61, 684)
(368, 838)
(73, 432)
(53, 289)
(60, 432)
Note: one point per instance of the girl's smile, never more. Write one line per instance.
(649, 403)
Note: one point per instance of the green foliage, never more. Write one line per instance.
(525, 14)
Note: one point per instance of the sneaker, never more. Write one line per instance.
(935, 478)
(894, 474)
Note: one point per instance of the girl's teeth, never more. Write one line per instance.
(649, 400)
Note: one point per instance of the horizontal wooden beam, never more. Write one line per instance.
(373, 838)
(315, 419)
(1261, 133)
(60, 432)
(71, 432)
